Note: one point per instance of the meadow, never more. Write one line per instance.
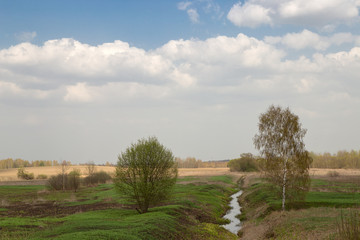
(194, 211)
(331, 199)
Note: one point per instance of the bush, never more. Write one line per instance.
(42, 176)
(246, 163)
(71, 181)
(56, 182)
(97, 178)
(25, 175)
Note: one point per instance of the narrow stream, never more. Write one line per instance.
(235, 225)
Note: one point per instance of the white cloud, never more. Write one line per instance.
(83, 73)
(249, 15)
(321, 10)
(78, 93)
(67, 61)
(325, 14)
(183, 88)
(25, 36)
(304, 39)
(193, 15)
(308, 39)
(10, 90)
(183, 5)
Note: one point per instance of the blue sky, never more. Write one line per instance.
(146, 24)
(82, 80)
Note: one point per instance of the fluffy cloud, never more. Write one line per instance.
(186, 89)
(322, 13)
(308, 39)
(66, 61)
(249, 15)
(70, 71)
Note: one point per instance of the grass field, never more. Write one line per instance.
(317, 218)
(193, 212)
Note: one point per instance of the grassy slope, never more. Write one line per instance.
(194, 212)
(317, 219)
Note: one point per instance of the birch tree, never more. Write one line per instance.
(280, 142)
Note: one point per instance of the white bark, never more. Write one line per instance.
(284, 185)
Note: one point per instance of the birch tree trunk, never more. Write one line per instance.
(284, 185)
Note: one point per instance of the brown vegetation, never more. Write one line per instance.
(342, 159)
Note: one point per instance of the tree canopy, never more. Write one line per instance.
(146, 172)
(280, 142)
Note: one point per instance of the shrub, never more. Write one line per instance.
(246, 163)
(56, 182)
(97, 178)
(42, 176)
(73, 180)
(25, 175)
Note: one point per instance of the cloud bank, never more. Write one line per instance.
(254, 13)
(213, 88)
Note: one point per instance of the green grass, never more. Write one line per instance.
(100, 193)
(348, 186)
(224, 179)
(19, 193)
(315, 218)
(332, 199)
(114, 224)
(264, 192)
(187, 179)
(194, 212)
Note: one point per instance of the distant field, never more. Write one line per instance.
(11, 174)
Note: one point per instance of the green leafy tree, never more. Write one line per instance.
(280, 142)
(146, 172)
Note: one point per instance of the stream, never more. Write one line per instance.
(235, 225)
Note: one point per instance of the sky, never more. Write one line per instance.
(83, 80)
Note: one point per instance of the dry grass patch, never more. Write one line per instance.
(11, 174)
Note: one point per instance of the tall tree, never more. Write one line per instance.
(146, 172)
(280, 142)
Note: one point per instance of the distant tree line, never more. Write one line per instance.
(342, 159)
(191, 162)
(19, 163)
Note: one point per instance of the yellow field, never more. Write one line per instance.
(11, 174)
